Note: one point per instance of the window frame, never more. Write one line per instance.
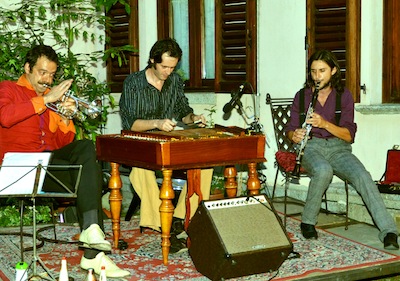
(219, 84)
(120, 36)
(391, 52)
(352, 40)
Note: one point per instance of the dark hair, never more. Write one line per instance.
(331, 60)
(169, 46)
(39, 51)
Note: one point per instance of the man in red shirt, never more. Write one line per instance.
(27, 125)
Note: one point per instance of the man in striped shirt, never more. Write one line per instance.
(152, 99)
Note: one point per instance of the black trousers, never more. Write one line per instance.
(81, 152)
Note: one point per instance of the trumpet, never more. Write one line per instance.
(82, 108)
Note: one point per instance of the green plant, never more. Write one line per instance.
(10, 211)
(210, 119)
(64, 24)
(217, 184)
(10, 215)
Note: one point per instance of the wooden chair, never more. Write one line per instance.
(285, 158)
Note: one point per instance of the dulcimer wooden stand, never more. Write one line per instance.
(189, 150)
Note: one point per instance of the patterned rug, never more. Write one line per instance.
(143, 257)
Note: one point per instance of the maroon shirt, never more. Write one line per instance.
(327, 112)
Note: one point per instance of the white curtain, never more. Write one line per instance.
(180, 26)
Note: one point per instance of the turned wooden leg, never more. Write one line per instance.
(253, 182)
(166, 212)
(115, 185)
(230, 182)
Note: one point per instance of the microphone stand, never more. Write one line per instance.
(255, 127)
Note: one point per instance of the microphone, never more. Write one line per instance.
(234, 100)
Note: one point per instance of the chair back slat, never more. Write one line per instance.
(280, 111)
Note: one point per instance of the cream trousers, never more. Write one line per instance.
(145, 185)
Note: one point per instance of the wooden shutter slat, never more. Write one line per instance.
(324, 4)
(120, 32)
(239, 28)
(331, 37)
(330, 29)
(331, 45)
(231, 6)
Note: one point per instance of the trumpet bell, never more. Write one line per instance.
(82, 108)
(93, 110)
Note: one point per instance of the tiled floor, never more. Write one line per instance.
(361, 232)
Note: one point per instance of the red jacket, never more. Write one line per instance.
(26, 124)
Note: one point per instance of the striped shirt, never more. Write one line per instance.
(141, 100)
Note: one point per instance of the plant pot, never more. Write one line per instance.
(216, 196)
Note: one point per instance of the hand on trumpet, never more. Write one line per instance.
(57, 92)
(64, 105)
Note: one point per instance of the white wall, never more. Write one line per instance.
(371, 51)
(147, 29)
(281, 60)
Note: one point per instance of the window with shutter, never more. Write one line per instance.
(123, 31)
(235, 44)
(234, 37)
(335, 25)
(391, 52)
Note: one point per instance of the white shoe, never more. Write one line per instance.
(112, 270)
(93, 237)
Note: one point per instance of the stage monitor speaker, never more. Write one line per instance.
(237, 237)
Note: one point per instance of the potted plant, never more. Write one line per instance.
(217, 190)
(210, 119)
(10, 213)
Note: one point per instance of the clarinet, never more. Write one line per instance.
(308, 127)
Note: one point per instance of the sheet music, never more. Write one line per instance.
(18, 172)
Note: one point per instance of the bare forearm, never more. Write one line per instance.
(191, 118)
(188, 118)
(141, 125)
(144, 125)
(339, 132)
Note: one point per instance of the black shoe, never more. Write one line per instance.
(177, 245)
(308, 231)
(390, 241)
(70, 215)
(177, 227)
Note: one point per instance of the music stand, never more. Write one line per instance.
(37, 192)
